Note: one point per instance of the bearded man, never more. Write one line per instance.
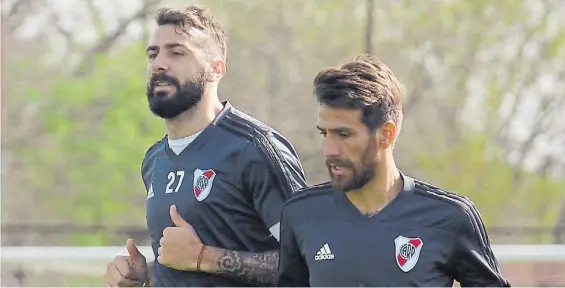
(372, 225)
(218, 179)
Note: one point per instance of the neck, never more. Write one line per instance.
(197, 118)
(378, 192)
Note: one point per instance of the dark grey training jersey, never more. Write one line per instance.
(424, 237)
(230, 184)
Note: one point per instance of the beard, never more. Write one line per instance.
(168, 105)
(357, 175)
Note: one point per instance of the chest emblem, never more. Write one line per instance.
(407, 252)
(203, 180)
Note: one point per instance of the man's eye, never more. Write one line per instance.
(343, 135)
(177, 53)
(151, 56)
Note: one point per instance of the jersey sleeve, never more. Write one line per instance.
(293, 271)
(271, 173)
(473, 262)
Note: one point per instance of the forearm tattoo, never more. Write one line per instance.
(257, 268)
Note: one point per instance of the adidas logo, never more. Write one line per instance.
(324, 253)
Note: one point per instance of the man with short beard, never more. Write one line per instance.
(372, 225)
(216, 183)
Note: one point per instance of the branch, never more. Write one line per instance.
(513, 70)
(527, 146)
(67, 35)
(16, 7)
(424, 84)
(559, 231)
(96, 19)
(13, 20)
(24, 127)
(107, 42)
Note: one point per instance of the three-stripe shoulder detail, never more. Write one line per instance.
(310, 192)
(258, 133)
(469, 208)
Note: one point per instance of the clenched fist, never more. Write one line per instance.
(127, 271)
(180, 247)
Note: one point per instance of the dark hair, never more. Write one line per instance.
(194, 17)
(362, 84)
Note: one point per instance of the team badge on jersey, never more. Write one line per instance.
(407, 252)
(203, 180)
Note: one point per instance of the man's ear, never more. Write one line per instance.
(217, 71)
(388, 134)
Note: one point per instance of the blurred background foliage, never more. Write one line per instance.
(483, 112)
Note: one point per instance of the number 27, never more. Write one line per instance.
(171, 178)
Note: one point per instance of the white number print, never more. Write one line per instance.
(172, 177)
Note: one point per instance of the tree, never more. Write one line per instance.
(476, 115)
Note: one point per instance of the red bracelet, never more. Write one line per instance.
(200, 257)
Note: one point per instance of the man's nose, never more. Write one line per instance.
(159, 64)
(331, 148)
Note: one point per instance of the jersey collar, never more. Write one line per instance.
(202, 138)
(227, 109)
(408, 183)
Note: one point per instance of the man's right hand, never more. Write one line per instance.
(127, 271)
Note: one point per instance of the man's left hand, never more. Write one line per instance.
(180, 246)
